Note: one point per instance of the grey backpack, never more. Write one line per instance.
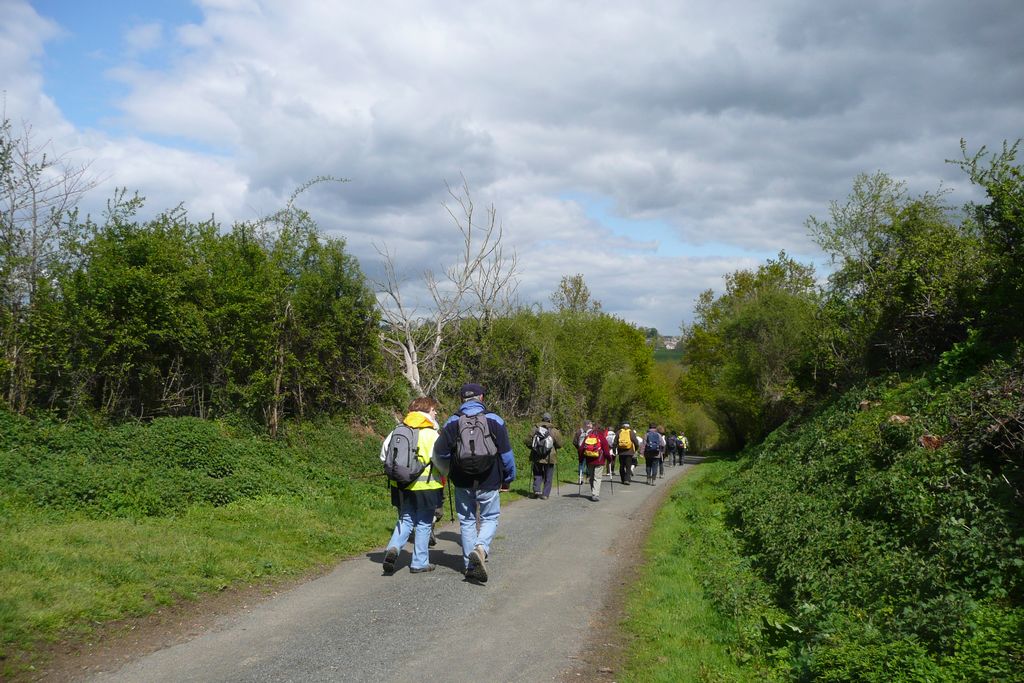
(400, 462)
(476, 450)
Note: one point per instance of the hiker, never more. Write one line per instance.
(594, 453)
(543, 442)
(671, 447)
(610, 438)
(577, 439)
(664, 448)
(419, 498)
(684, 445)
(653, 448)
(474, 451)
(627, 444)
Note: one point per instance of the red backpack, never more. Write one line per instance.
(592, 445)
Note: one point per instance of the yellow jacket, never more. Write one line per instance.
(430, 479)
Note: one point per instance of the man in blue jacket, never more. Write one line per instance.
(474, 451)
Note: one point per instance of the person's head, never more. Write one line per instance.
(471, 390)
(424, 404)
(625, 425)
(546, 417)
(588, 425)
(652, 426)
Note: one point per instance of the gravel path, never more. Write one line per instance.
(551, 569)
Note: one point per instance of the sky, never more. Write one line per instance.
(652, 146)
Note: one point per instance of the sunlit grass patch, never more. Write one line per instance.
(691, 606)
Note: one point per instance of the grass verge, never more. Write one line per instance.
(696, 612)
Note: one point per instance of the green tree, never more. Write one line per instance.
(1000, 223)
(136, 304)
(748, 354)
(907, 276)
(38, 194)
(574, 296)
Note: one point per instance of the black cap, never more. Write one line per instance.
(470, 390)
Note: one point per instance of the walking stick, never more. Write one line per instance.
(451, 505)
(611, 479)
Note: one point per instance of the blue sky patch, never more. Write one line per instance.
(93, 41)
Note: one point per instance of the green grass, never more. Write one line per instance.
(59, 578)
(695, 609)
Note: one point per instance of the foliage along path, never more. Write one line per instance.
(554, 568)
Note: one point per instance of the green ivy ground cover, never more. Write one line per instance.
(895, 545)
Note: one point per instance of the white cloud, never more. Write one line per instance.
(729, 123)
(143, 38)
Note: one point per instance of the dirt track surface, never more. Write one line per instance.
(558, 572)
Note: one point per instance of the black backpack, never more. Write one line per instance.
(671, 442)
(542, 443)
(475, 451)
(401, 464)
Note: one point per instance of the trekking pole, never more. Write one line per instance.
(451, 505)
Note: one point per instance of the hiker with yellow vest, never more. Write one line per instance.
(628, 443)
(416, 487)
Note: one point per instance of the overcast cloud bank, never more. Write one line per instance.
(680, 140)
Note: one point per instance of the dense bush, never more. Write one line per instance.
(166, 467)
(896, 543)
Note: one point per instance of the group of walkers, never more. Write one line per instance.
(600, 446)
(472, 451)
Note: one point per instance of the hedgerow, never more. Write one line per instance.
(890, 528)
(168, 466)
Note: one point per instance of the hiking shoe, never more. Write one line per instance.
(543, 497)
(594, 498)
(420, 570)
(390, 558)
(477, 571)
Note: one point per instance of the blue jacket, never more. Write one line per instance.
(504, 469)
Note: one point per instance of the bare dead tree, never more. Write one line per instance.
(481, 284)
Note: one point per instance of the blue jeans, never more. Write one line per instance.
(467, 501)
(410, 520)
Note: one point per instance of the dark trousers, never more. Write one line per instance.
(625, 466)
(543, 474)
